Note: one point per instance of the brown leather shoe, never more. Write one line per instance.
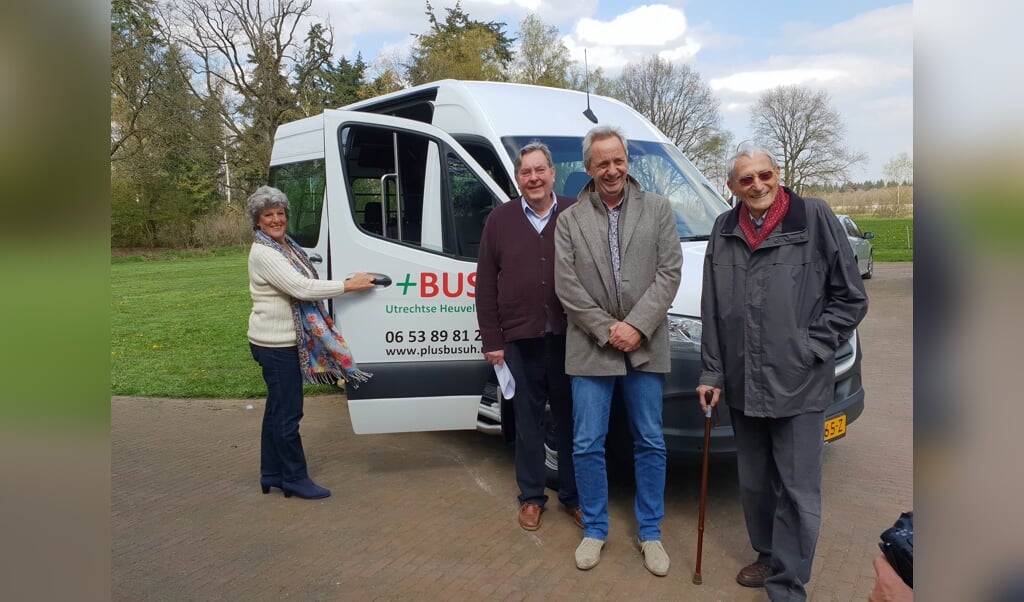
(753, 575)
(529, 516)
(577, 515)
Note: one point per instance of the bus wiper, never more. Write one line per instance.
(695, 238)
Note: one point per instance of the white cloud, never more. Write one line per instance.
(737, 107)
(632, 36)
(682, 53)
(654, 25)
(887, 30)
(608, 58)
(529, 5)
(755, 82)
(842, 74)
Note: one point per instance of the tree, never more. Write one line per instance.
(387, 76)
(346, 79)
(805, 133)
(596, 83)
(246, 47)
(542, 59)
(135, 71)
(165, 152)
(711, 159)
(135, 46)
(320, 83)
(460, 48)
(313, 72)
(899, 170)
(678, 102)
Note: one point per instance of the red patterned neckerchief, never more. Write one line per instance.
(772, 218)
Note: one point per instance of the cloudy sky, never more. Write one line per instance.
(859, 51)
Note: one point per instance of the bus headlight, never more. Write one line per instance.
(684, 330)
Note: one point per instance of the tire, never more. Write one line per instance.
(871, 267)
(551, 464)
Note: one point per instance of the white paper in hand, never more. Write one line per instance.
(505, 380)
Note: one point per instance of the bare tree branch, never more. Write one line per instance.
(678, 102)
(806, 135)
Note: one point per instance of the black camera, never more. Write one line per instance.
(898, 546)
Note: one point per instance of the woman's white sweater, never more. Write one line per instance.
(273, 283)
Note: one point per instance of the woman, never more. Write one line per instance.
(292, 338)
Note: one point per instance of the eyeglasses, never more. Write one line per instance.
(764, 176)
(540, 171)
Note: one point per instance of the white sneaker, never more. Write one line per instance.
(655, 557)
(588, 553)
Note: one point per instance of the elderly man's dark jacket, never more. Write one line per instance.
(773, 318)
(515, 281)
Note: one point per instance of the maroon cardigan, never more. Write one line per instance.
(515, 277)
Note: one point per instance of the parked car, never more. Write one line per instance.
(860, 241)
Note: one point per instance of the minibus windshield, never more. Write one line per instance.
(659, 168)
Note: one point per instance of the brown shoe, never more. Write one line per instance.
(529, 516)
(753, 575)
(577, 515)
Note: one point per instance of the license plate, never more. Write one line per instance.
(835, 427)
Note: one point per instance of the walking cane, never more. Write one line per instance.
(703, 486)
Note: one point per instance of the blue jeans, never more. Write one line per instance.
(280, 443)
(592, 400)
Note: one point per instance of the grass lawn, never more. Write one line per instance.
(894, 238)
(178, 324)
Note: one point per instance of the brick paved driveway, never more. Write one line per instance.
(431, 516)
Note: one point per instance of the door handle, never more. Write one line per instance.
(315, 258)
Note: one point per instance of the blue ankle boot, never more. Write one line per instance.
(305, 489)
(266, 482)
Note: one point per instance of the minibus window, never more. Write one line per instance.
(303, 182)
(469, 203)
(658, 167)
(386, 198)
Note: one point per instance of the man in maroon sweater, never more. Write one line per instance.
(523, 323)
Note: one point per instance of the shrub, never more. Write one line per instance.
(226, 226)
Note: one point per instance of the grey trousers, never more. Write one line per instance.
(779, 462)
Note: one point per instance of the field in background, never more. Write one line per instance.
(894, 238)
(888, 202)
(178, 324)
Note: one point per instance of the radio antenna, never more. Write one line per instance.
(588, 113)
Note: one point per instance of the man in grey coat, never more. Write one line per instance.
(781, 292)
(617, 268)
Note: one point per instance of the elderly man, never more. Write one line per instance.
(781, 292)
(522, 325)
(618, 270)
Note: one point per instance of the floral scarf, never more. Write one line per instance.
(324, 356)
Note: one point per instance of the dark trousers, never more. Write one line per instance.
(779, 462)
(280, 444)
(538, 366)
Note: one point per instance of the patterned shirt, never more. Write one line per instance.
(613, 245)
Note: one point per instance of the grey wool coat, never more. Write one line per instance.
(774, 318)
(650, 272)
